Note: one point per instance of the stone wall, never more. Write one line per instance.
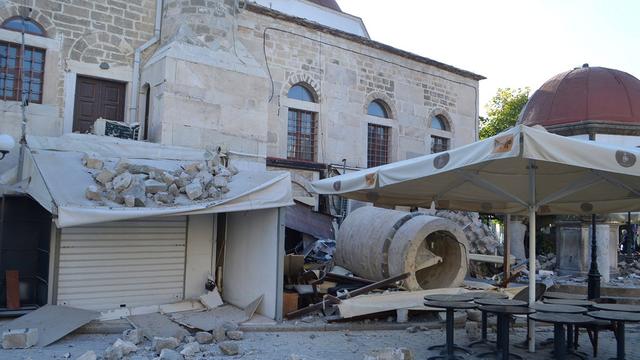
(81, 34)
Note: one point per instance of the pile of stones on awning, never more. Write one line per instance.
(136, 185)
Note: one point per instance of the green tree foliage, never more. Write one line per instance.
(503, 111)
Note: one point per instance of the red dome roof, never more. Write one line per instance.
(593, 94)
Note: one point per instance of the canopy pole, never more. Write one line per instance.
(532, 253)
(507, 250)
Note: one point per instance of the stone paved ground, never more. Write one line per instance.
(334, 345)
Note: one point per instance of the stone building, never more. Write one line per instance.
(590, 104)
(289, 84)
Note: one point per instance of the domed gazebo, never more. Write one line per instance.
(586, 101)
(589, 103)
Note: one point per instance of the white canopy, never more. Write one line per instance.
(522, 170)
(571, 177)
(55, 177)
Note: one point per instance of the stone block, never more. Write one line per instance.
(105, 176)
(134, 336)
(173, 190)
(194, 190)
(220, 181)
(19, 338)
(164, 197)
(129, 200)
(93, 193)
(235, 335)
(203, 337)
(126, 346)
(229, 348)
(154, 186)
(168, 178)
(190, 349)
(191, 169)
(205, 177)
(92, 161)
(122, 181)
(168, 354)
(160, 343)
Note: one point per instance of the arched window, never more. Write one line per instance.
(17, 23)
(438, 122)
(300, 92)
(378, 108)
(301, 126)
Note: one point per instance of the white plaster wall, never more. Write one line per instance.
(251, 259)
(200, 260)
(320, 14)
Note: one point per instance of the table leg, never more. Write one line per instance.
(559, 343)
(620, 340)
(504, 319)
(569, 336)
(450, 332)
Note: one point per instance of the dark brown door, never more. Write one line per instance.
(97, 98)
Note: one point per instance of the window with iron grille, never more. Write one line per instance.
(301, 135)
(377, 145)
(439, 144)
(21, 72)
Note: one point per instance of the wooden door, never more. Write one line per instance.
(97, 98)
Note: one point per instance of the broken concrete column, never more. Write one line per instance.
(516, 236)
(378, 243)
(19, 338)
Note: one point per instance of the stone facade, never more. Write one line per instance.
(220, 74)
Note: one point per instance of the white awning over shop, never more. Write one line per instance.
(56, 178)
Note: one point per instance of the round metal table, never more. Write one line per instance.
(559, 308)
(619, 318)
(449, 346)
(488, 295)
(504, 313)
(449, 297)
(493, 301)
(559, 320)
(562, 295)
(618, 307)
(574, 302)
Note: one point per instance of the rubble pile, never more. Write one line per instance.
(629, 268)
(482, 240)
(136, 185)
(546, 262)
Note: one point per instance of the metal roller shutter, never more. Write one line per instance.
(130, 263)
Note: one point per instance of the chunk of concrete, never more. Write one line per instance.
(229, 348)
(203, 337)
(190, 349)
(129, 200)
(168, 354)
(191, 169)
(93, 193)
(136, 189)
(134, 336)
(113, 353)
(222, 171)
(122, 181)
(390, 354)
(219, 333)
(19, 338)
(126, 346)
(159, 343)
(89, 355)
(173, 190)
(122, 166)
(164, 197)
(168, 178)
(211, 299)
(205, 177)
(154, 186)
(235, 335)
(220, 181)
(194, 190)
(92, 161)
(183, 179)
(105, 176)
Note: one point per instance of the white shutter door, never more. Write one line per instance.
(130, 263)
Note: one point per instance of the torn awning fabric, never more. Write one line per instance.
(57, 179)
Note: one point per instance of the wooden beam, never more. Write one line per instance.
(13, 289)
(495, 259)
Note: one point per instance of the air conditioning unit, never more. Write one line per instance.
(119, 129)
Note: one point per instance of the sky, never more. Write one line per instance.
(512, 43)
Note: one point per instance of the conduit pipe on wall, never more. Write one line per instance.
(135, 82)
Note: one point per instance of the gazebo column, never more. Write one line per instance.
(593, 290)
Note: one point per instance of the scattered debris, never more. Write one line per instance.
(89, 355)
(52, 321)
(203, 337)
(19, 338)
(168, 354)
(235, 335)
(190, 349)
(157, 325)
(133, 336)
(211, 299)
(390, 354)
(321, 251)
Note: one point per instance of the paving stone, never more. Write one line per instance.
(19, 338)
